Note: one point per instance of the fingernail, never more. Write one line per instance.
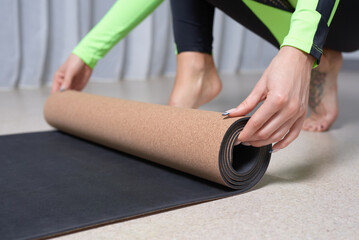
(273, 151)
(245, 144)
(237, 142)
(226, 113)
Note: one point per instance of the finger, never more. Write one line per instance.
(260, 117)
(254, 98)
(275, 137)
(79, 82)
(69, 76)
(291, 136)
(57, 82)
(285, 117)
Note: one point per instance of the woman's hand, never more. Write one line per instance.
(72, 74)
(284, 88)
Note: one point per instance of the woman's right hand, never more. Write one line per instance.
(72, 74)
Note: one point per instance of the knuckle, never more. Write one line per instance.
(255, 123)
(302, 110)
(244, 104)
(293, 108)
(263, 135)
(280, 100)
(243, 136)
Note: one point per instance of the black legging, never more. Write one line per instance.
(193, 23)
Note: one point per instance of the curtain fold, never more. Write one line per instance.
(10, 48)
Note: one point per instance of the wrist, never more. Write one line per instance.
(298, 56)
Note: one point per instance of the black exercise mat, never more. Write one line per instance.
(52, 183)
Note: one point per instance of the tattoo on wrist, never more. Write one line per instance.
(316, 88)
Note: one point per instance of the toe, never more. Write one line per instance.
(309, 125)
(315, 128)
(324, 126)
(306, 124)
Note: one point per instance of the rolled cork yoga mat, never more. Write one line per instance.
(193, 141)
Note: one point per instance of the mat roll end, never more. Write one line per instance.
(242, 167)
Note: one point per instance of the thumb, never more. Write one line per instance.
(255, 97)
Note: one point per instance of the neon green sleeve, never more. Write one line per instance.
(310, 25)
(115, 25)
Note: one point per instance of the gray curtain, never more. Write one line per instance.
(37, 36)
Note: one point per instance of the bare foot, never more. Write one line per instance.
(197, 81)
(323, 96)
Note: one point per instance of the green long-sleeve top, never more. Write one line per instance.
(115, 25)
(309, 26)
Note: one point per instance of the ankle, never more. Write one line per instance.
(194, 63)
(196, 82)
(331, 60)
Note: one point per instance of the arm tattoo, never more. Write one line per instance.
(316, 88)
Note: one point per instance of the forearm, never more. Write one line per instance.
(115, 25)
(310, 25)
